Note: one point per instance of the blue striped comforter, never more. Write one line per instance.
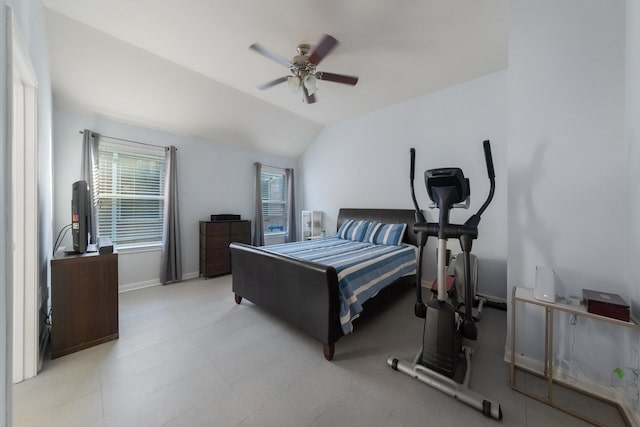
(363, 268)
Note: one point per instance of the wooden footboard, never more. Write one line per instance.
(302, 294)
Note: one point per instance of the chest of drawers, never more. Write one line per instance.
(215, 237)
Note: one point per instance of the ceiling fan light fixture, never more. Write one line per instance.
(311, 83)
(294, 83)
(304, 80)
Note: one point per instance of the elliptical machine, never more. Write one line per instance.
(438, 362)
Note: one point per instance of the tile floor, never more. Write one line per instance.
(189, 356)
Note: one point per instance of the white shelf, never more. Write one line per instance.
(313, 237)
(525, 295)
(311, 224)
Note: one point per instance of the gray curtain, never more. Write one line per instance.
(258, 227)
(89, 173)
(171, 254)
(290, 235)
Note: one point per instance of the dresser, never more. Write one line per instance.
(215, 237)
(84, 301)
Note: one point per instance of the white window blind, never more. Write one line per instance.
(274, 214)
(131, 194)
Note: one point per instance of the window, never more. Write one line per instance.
(274, 199)
(130, 194)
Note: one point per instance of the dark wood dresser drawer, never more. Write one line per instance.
(240, 238)
(215, 237)
(211, 228)
(214, 241)
(240, 227)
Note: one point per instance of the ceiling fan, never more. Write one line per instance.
(304, 76)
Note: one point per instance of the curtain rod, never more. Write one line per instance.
(274, 167)
(134, 142)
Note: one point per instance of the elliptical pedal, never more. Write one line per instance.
(450, 286)
(476, 312)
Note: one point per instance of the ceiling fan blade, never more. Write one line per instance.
(267, 85)
(338, 78)
(322, 49)
(270, 54)
(309, 99)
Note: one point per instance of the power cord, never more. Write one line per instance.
(624, 379)
(59, 239)
(47, 317)
(572, 363)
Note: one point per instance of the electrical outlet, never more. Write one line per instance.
(573, 318)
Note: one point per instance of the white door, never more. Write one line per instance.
(24, 208)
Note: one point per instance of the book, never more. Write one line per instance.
(606, 304)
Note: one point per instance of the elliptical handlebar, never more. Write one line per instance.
(413, 170)
(412, 176)
(419, 215)
(489, 159)
(419, 309)
(492, 175)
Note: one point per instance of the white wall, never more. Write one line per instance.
(633, 149)
(212, 178)
(567, 155)
(566, 141)
(632, 252)
(5, 260)
(29, 19)
(364, 162)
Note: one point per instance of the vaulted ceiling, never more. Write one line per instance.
(185, 67)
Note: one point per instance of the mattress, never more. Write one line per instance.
(363, 269)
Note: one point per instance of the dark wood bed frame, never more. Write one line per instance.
(303, 294)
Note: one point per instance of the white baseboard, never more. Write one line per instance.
(428, 284)
(153, 282)
(493, 298)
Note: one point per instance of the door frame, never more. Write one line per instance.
(22, 124)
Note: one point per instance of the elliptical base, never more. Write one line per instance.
(447, 385)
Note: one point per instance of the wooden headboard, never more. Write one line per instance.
(389, 216)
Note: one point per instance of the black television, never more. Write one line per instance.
(80, 206)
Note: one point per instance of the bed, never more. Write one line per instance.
(305, 291)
